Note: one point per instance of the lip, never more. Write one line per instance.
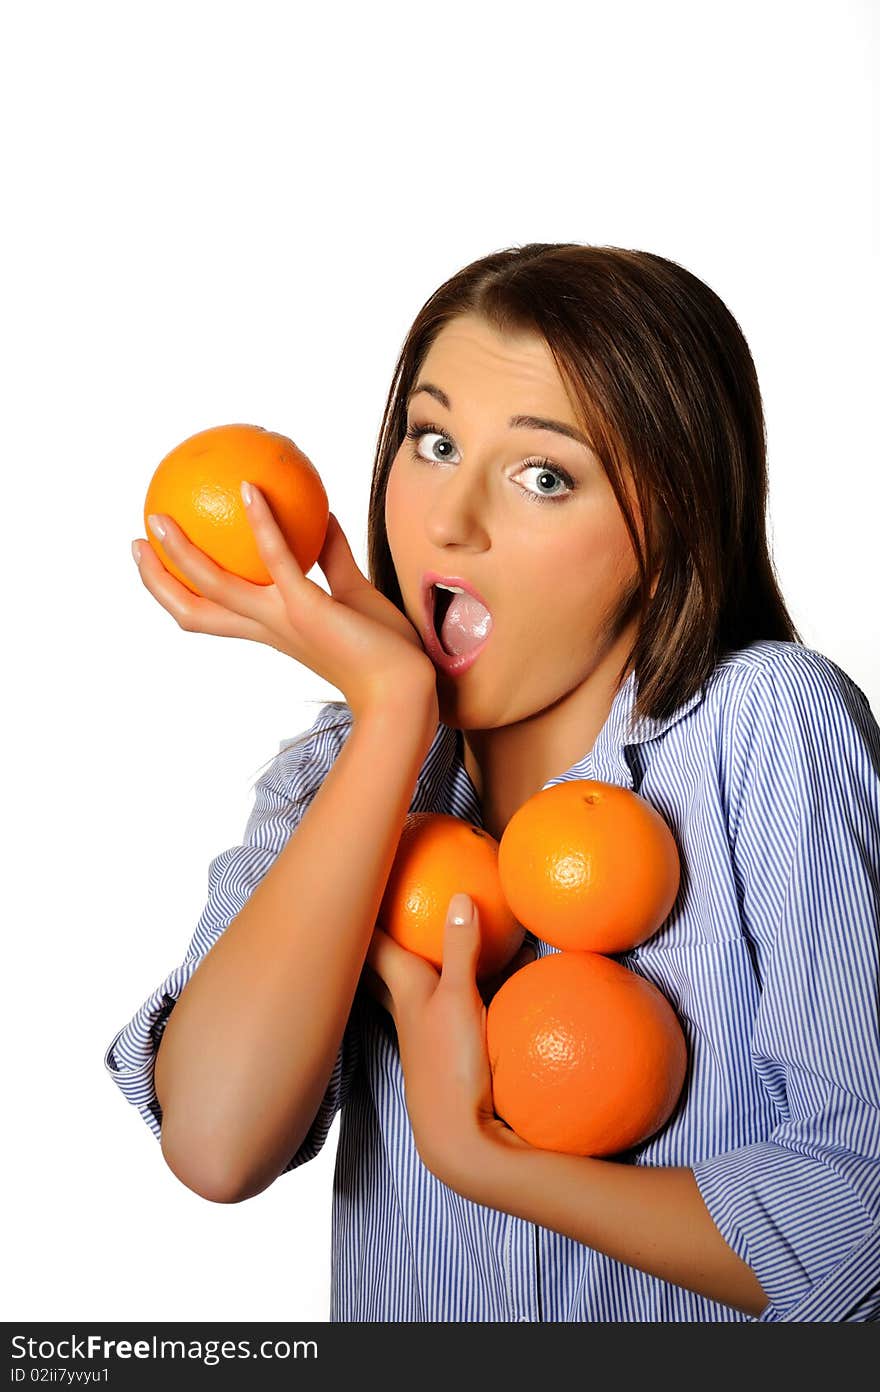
(453, 666)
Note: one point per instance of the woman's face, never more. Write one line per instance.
(543, 543)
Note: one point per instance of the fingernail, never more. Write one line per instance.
(156, 526)
(136, 552)
(461, 909)
(246, 493)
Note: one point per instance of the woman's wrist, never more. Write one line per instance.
(401, 703)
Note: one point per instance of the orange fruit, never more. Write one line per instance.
(589, 867)
(438, 856)
(199, 485)
(587, 1057)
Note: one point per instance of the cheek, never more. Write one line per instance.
(582, 575)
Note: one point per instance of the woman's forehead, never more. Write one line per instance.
(470, 357)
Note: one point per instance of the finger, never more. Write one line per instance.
(461, 943)
(410, 979)
(192, 612)
(337, 561)
(275, 553)
(214, 582)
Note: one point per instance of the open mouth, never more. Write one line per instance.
(461, 624)
(442, 601)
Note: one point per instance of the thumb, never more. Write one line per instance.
(336, 560)
(461, 943)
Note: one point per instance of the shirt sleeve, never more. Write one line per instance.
(802, 1208)
(282, 796)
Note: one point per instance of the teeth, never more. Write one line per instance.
(453, 589)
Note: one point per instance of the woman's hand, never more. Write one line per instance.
(440, 1018)
(354, 637)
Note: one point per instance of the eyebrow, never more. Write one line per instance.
(515, 422)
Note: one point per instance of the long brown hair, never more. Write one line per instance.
(663, 384)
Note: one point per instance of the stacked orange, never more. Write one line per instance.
(437, 855)
(587, 1056)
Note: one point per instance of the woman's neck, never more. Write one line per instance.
(508, 765)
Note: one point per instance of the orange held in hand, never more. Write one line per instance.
(587, 1057)
(199, 485)
(436, 857)
(589, 867)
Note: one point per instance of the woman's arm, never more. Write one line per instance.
(652, 1218)
(250, 1045)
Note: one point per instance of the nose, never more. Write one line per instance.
(458, 511)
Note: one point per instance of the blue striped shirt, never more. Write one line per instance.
(769, 778)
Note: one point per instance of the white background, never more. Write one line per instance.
(233, 212)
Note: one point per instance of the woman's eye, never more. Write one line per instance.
(546, 474)
(543, 474)
(417, 433)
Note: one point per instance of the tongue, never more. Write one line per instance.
(466, 625)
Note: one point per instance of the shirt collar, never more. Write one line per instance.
(619, 727)
(607, 759)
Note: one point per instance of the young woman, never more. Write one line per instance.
(574, 436)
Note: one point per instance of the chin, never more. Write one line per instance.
(470, 711)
